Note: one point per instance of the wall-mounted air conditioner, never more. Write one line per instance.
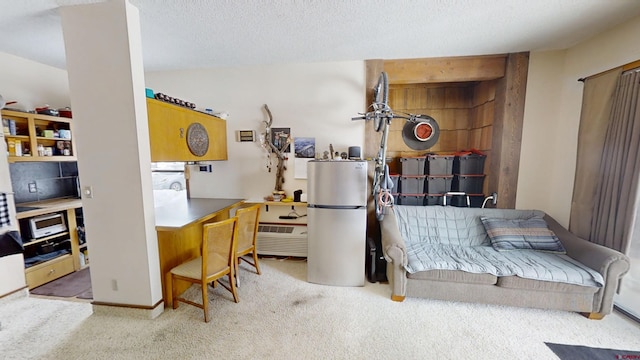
(282, 240)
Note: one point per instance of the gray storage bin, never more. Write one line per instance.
(439, 164)
(412, 184)
(438, 184)
(472, 164)
(470, 184)
(413, 165)
(411, 199)
(433, 199)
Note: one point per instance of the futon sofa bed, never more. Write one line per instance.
(499, 256)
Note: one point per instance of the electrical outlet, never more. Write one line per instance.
(32, 187)
(114, 284)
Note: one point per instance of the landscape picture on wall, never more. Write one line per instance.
(305, 147)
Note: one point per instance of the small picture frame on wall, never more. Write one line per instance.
(304, 147)
(280, 139)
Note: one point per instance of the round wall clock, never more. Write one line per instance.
(197, 139)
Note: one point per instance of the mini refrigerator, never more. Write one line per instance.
(337, 222)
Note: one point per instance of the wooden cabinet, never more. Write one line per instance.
(35, 134)
(63, 257)
(48, 271)
(169, 128)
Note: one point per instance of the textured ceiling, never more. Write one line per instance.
(185, 34)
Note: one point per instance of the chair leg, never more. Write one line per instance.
(205, 301)
(255, 261)
(236, 272)
(174, 293)
(169, 282)
(233, 286)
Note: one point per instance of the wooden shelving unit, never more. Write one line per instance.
(30, 131)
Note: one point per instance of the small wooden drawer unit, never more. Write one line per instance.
(49, 271)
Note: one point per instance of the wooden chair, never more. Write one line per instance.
(248, 219)
(218, 259)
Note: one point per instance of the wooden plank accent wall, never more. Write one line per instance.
(478, 103)
(373, 69)
(507, 130)
(440, 70)
(481, 127)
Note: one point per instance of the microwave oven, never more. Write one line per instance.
(46, 225)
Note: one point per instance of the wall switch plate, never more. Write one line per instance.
(32, 187)
(87, 191)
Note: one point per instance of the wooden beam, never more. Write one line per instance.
(373, 69)
(507, 130)
(450, 69)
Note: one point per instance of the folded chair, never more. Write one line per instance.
(218, 258)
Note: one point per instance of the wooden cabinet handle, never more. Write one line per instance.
(181, 133)
(52, 271)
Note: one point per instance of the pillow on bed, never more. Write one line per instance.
(521, 234)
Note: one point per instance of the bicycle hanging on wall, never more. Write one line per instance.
(421, 133)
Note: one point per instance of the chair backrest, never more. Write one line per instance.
(248, 219)
(219, 241)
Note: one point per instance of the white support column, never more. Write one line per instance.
(106, 81)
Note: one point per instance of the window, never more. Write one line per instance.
(168, 181)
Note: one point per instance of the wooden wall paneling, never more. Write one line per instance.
(435, 97)
(373, 69)
(462, 118)
(457, 97)
(462, 140)
(448, 140)
(507, 130)
(397, 97)
(486, 188)
(484, 91)
(475, 136)
(447, 119)
(443, 70)
(486, 138)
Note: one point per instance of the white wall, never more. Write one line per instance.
(31, 84)
(314, 100)
(552, 115)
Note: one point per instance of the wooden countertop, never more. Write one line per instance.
(48, 206)
(177, 214)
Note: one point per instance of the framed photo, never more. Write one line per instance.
(305, 147)
(280, 138)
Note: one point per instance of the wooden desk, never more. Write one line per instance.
(179, 227)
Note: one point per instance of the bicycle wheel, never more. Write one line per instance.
(381, 102)
(381, 91)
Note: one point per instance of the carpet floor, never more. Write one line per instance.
(74, 284)
(282, 316)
